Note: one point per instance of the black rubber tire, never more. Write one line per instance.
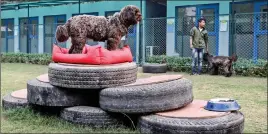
(44, 94)
(10, 102)
(97, 77)
(232, 123)
(154, 68)
(90, 116)
(148, 97)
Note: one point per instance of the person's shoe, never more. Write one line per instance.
(193, 74)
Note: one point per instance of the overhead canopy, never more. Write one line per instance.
(42, 3)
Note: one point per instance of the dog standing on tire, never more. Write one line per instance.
(98, 28)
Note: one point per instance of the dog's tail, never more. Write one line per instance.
(62, 32)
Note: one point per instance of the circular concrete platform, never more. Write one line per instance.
(43, 78)
(21, 94)
(193, 110)
(155, 79)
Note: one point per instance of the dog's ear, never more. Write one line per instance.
(233, 58)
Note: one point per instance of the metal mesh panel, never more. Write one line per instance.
(131, 40)
(243, 36)
(182, 35)
(262, 35)
(250, 36)
(155, 36)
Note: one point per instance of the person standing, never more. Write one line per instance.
(198, 41)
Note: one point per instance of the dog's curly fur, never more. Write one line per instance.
(216, 62)
(98, 28)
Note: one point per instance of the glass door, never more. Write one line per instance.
(211, 14)
(33, 35)
(28, 35)
(7, 39)
(51, 23)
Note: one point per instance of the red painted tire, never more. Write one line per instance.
(93, 55)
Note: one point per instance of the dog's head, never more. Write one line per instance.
(131, 15)
(206, 56)
(233, 58)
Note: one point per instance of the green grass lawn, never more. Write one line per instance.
(250, 92)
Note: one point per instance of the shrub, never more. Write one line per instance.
(244, 67)
(41, 59)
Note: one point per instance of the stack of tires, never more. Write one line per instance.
(103, 95)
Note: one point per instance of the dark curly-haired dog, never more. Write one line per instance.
(98, 28)
(215, 62)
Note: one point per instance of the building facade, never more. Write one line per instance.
(163, 31)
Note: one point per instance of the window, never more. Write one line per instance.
(93, 13)
(7, 27)
(110, 13)
(186, 19)
(243, 7)
(33, 25)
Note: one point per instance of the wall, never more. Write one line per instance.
(171, 7)
(67, 10)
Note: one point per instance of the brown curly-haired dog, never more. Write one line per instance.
(98, 28)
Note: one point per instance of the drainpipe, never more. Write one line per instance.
(233, 28)
(140, 36)
(79, 6)
(28, 25)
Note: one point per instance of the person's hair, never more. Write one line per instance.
(200, 20)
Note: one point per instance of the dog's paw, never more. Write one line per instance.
(228, 75)
(233, 72)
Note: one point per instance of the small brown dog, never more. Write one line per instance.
(98, 28)
(215, 62)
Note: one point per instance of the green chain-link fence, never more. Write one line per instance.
(247, 36)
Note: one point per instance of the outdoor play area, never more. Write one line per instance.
(250, 92)
(129, 69)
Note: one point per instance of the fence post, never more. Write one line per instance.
(232, 29)
(137, 42)
(143, 44)
(28, 37)
(182, 36)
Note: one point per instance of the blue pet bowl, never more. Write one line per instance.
(222, 105)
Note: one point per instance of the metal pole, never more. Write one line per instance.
(79, 7)
(28, 23)
(233, 28)
(141, 55)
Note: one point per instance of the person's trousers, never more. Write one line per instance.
(197, 57)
